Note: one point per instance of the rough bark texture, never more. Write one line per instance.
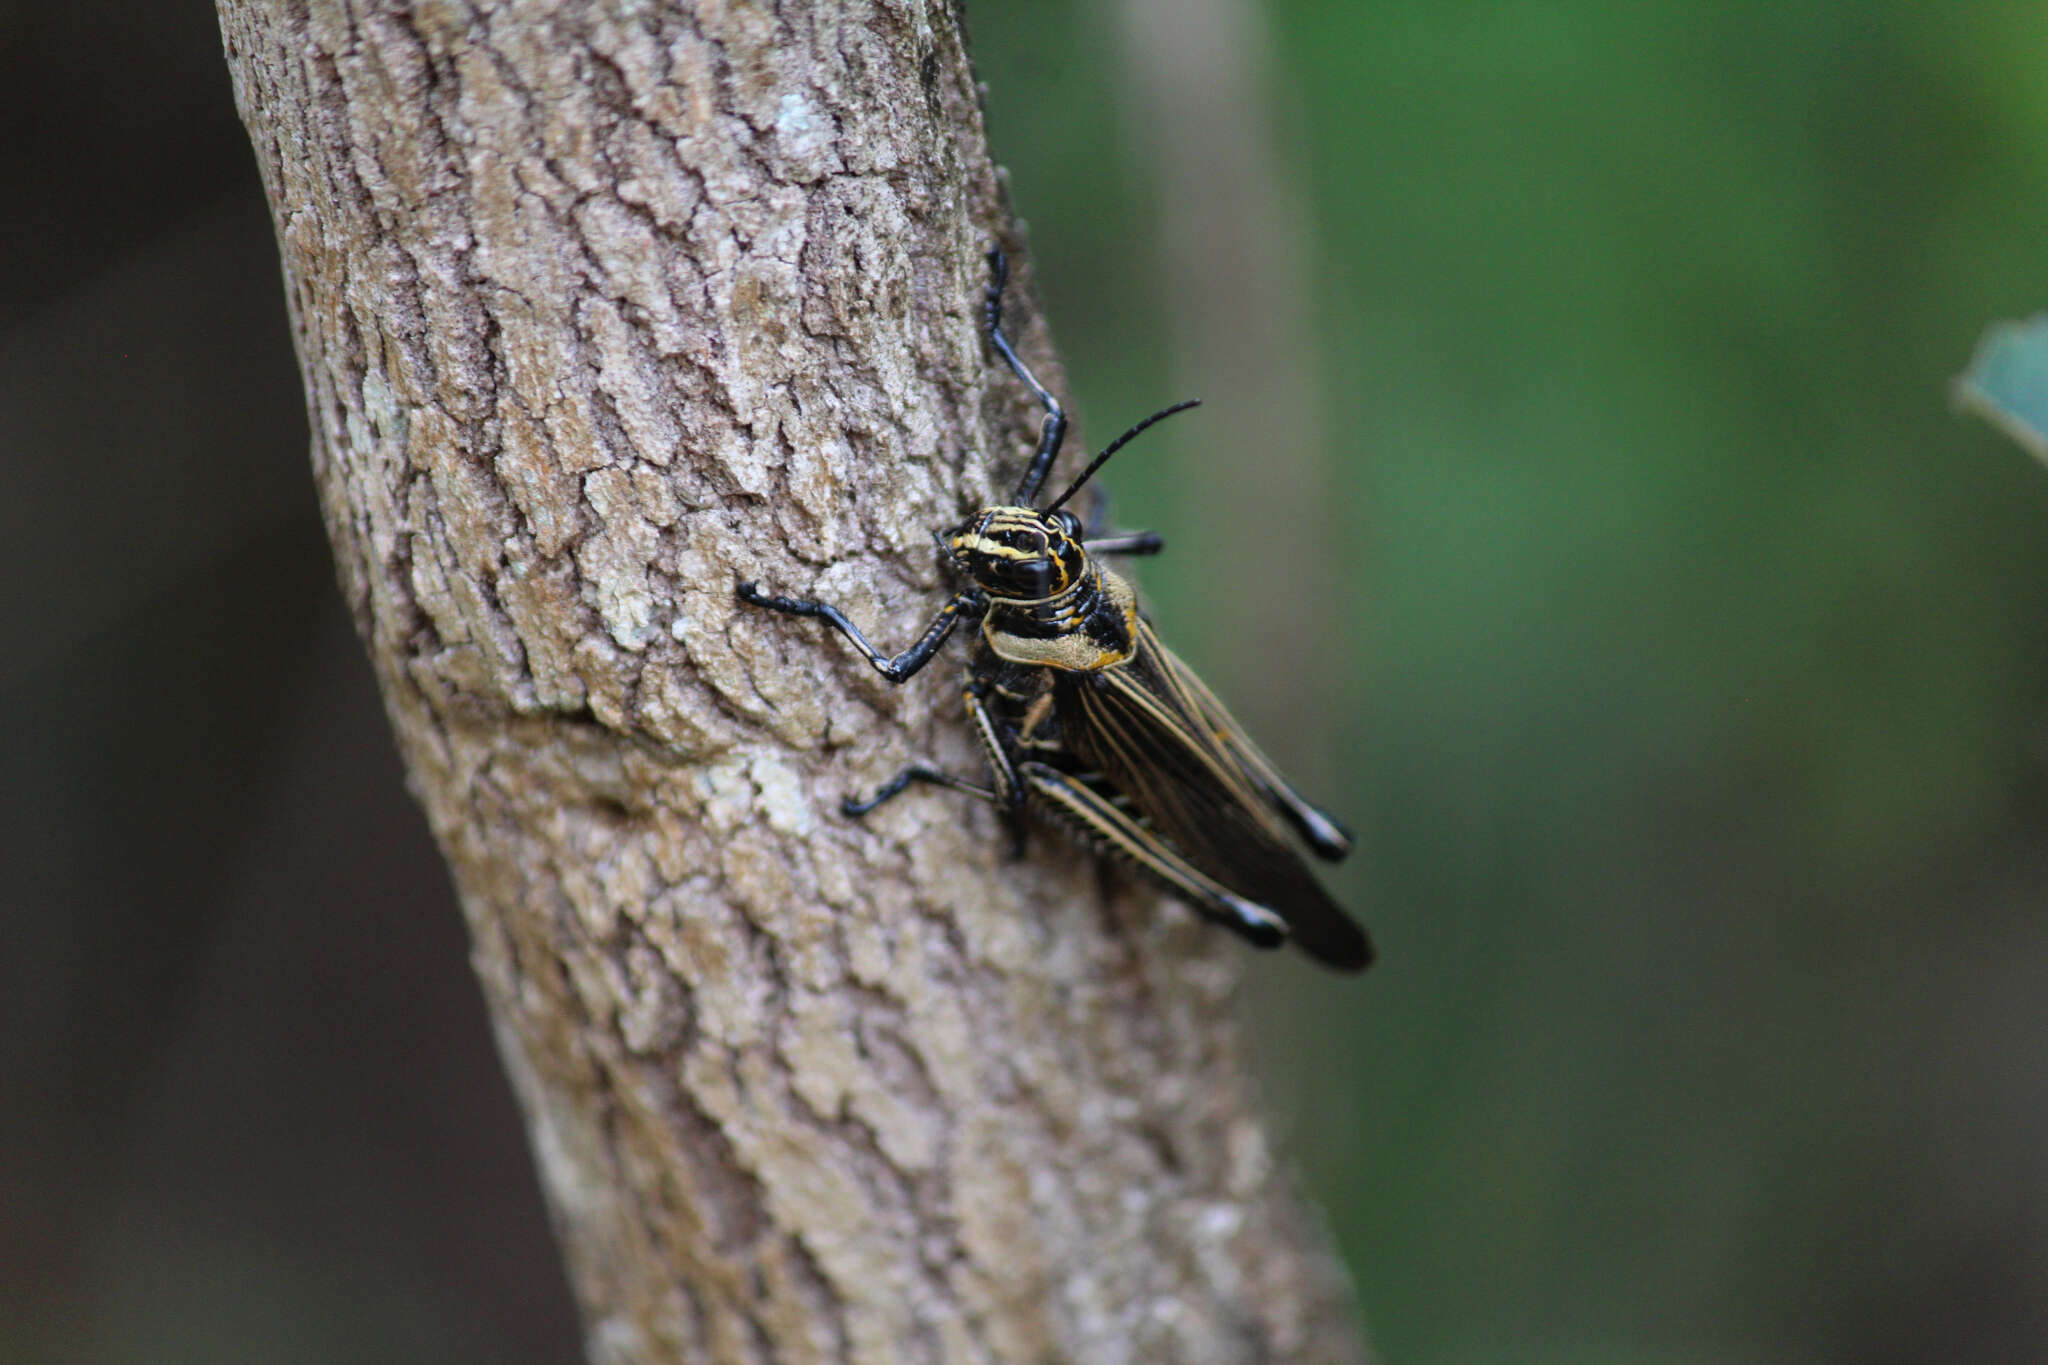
(602, 306)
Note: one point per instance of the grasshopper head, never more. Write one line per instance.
(1016, 554)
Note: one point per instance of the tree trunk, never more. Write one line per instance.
(602, 306)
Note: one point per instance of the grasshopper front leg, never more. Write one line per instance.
(969, 605)
(1129, 543)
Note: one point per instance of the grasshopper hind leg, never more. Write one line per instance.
(1104, 824)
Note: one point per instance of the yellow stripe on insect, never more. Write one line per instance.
(995, 549)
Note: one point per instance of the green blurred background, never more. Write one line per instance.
(1578, 504)
(1684, 665)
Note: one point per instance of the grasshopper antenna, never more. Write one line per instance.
(1118, 444)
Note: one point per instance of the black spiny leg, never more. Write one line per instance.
(1098, 539)
(1105, 824)
(916, 772)
(1054, 429)
(969, 605)
(1131, 543)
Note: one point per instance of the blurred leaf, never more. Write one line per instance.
(2007, 382)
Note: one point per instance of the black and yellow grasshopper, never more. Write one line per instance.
(1087, 719)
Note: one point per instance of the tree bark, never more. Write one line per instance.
(602, 306)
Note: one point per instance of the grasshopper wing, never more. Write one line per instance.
(1160, 739)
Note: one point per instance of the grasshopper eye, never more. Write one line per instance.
(1069, 524)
